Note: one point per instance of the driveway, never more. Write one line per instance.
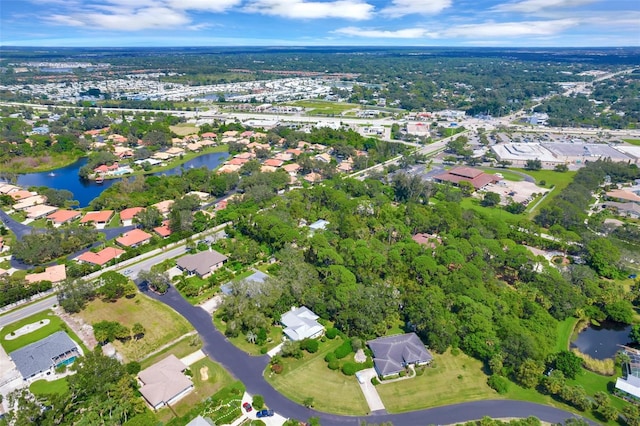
(249, 370)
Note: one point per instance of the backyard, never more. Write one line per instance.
(208, 378)
(334, 392)
(162, 324)
(55, 324)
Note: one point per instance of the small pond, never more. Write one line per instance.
(601, 342)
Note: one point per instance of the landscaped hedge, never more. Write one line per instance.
(310, 345)
(331, 333)
(344, 349)
(498, 383)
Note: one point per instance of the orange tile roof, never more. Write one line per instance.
(128, 214)
(132, 238)
(273, 162)
(101, 257)
(163, 230)
(54, 274)
(99, 217)
(62, 216)
(19, 195)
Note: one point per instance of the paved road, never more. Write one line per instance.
(16, 227)
(249, 370)
(34, 308)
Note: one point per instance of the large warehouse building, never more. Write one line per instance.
(552, 154)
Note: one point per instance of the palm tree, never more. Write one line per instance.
(251, 337)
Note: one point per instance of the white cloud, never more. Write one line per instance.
(511, 29)
(208, 5)
(370, 33)
(125, 20)
(407, 7)
(302, 9)
(532, 6)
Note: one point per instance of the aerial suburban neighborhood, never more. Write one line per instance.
(335, 236)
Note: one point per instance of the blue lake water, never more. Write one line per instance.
(85, 191)
(601, 342)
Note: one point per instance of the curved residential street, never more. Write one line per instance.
(249, 370)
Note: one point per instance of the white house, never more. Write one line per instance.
(300, 323)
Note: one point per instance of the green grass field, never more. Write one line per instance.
(309, 376)
(274, 338)
(44, 387)
(558, 180)
(497, 212)
(162, 324)
(325, 107)
(632, 141)
(183, 347)
(449, 380)
(55, 324)
(565, 330)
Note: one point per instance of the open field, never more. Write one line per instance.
(44, 387)
(558, 180)
(334, 392)
(184, 129)
(183, 347)
(461, 375)
(325, 107)
(274, 337)
(55, 324)
(497, 212)
(162, 324)
(632, 141)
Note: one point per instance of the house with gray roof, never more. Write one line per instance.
(164, 382)
(300, 323)
(202, 264)
(45, 355)
(392, 354)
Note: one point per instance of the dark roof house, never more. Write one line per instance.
(475, 177)
(392, 354)
(203, 263)
(45, 354)
(164, 382)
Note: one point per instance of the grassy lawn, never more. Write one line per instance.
(184, 129)
(325, 107)
(183, 347)
(497, 212)
(274, 338)
(461, 372)
(39, 164)
(44, 387)
(632, 141)
(55, 324)
(558, 180)
(565, 330)
(208, 378)
(337, 393)
(198, 286)
(506, 174)
(162, 324)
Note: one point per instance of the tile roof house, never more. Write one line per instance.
(163, 230)
(475, 177)
(45, 355)
(127, 215)
(63, 216)
(100, 258)
(273, 162)
(209, 135)
(55, 274)
(29, 202)
(164, 382)
(313, 177)
(618, 194)
(164, 207)
(202, 264)
(300, 323)
(39, 211)
(21, 194)
(99, 219)
(392, 354)
(134, 238)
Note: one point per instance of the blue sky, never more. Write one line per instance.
(97, 23)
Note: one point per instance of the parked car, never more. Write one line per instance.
(247, 407)
(264, 413)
